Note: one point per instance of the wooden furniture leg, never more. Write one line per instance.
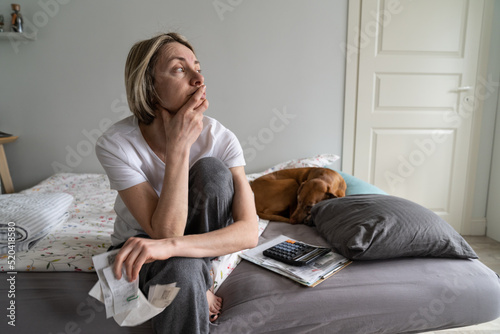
(4, 172)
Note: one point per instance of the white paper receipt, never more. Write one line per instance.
(121, 297)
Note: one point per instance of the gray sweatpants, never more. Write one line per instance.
(210, 199)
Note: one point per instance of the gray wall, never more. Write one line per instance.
(274, 72)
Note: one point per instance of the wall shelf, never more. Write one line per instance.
(18, 36)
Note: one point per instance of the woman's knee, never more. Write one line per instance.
(210, 167)
(211, 177)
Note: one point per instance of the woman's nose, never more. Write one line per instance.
(197, 79)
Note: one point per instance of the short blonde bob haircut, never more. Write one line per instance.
(139, 74)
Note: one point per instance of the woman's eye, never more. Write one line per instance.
(182, 70)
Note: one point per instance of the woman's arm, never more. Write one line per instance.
(242, 234)
(165, 216)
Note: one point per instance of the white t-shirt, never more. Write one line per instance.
(128, 160)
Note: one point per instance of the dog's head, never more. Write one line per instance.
(309, 194)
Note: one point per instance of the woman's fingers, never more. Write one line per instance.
(203, 106)
(137, 251)
(142, 257)
(120, 258)
(132, 263)
(131, 256)
(184, 127)
(196, 104)
(196, 99)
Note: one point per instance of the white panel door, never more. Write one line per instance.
(417, 70)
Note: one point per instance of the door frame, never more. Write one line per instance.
(352, 50)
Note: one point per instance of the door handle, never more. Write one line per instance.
(464, 88)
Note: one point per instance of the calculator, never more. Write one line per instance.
(295, 253)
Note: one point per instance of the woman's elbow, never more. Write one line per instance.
(254, 242)
(253, 233)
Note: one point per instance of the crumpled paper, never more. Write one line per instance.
(123, 300)
(159, 297)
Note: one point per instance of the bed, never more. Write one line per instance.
(395, 294)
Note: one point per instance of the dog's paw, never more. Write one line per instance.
(309, 221)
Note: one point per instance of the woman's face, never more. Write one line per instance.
(177, 76)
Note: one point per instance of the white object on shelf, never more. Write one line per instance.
(18, 36)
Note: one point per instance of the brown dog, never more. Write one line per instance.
(288, 195)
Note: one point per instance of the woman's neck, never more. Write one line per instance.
(154, 134)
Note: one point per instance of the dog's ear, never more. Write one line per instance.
(342, 187)
(335, 193)
(340, 192)
(300, 188)
(329, 195)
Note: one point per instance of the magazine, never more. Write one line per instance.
(309, 275)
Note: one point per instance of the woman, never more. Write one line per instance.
(183, 194)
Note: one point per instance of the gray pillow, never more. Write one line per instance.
(369, 227)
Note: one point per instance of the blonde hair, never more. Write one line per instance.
(139, 74)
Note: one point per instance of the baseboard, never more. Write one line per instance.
(477, 226)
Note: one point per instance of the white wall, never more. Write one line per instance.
(261, 59)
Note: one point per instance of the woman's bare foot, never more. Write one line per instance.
(214, 305)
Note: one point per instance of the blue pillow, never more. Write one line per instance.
(357, 186)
